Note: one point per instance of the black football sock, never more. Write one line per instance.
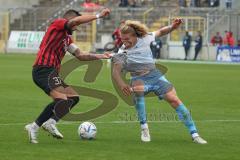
(59, 108)
(46, 113)
(73, 101)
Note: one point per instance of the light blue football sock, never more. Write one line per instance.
(185, 116)
(140, 107)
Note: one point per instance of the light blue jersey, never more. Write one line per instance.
(138, 58)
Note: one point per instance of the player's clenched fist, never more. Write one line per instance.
(176, 23)
(104, 12)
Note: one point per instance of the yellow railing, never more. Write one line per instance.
(146, 13)
(4, 30)
(191, 24)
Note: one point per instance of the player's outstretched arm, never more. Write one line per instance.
(116, 75)
(87, 18)
(167, 29)
(84, 56)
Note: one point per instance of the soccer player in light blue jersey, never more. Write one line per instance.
(135, 56)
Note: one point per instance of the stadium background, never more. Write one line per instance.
(210, 89)
(35, 15)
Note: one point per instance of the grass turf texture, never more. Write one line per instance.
(211, 92)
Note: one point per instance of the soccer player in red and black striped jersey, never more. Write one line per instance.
(56, 42)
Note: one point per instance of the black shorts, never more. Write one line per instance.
(47, 78)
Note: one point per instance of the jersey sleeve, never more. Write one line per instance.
(60, 24)
(153, 34)
(120, 57)
(149, 38)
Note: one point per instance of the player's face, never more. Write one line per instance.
(129, 40)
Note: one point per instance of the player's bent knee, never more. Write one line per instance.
(58, 95)
(175, 102)
(71, 92)
(138, 88)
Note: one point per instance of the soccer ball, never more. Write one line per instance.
(87, 130)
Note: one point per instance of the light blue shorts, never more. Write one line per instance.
(154, 82)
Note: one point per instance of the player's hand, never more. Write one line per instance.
(126, 89)
(176, 23)
(104, 12)
(107, 55)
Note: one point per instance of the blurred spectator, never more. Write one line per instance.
(198, 45)
(156, 48)
(132, 3)
(238, 44)
(90, 6)
(217, 39)
(182, 3)
(187, 43)
(213, 3)
(123, 3)
(228, 4)
(231, 40)
(225, 39)
(228, 39)
(144, 2)
(205, 3)
(192, 3)
(116, 36)
(197, 3)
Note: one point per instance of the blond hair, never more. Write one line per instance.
(135, 27)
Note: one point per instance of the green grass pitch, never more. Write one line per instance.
(210, 91)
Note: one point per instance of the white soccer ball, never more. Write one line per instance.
(87, 130)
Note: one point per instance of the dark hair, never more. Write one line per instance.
(71, 13)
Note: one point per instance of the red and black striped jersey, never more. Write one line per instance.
(54, 44)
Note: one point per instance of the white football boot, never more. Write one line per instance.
(197, 139)
(32, 130)
(145, 136)
(50, 127)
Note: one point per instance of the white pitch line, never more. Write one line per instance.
(125, 122)
(198, 62)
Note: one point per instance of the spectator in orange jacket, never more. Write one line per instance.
(90, 6)
(229, 39)
(116, 35)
